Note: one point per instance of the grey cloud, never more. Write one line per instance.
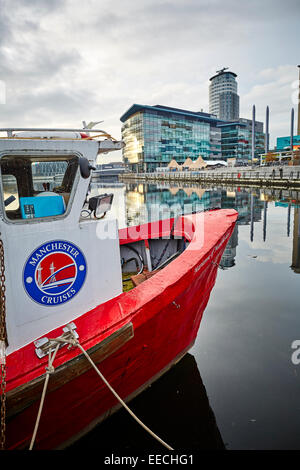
(26, 55)
(5, 25)
(159, 28)
(19, 16)
(131, 51)
(22, 47)
(43, 64)
(47, 106)
(35, 6)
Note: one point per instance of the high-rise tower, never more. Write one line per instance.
(224, 101)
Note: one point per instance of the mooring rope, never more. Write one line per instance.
(50, 369)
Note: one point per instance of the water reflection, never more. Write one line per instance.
(243, 348)
(136, 203)
(228, 258)
(176, 407)
(296, 242)
(142, 200)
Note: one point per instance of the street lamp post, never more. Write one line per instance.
(292, 134)
(253, 134)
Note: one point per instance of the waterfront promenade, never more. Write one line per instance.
(273, 176)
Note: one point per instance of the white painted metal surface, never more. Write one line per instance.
(28, 320)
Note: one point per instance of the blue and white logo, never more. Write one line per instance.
(54, 273)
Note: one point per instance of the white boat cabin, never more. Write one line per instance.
(50, 232)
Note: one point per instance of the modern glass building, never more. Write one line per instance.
(224, 101)
(154, 135)
(49, 168)
(284, 143)
(236, 139)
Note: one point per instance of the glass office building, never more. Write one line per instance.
(236, 139)
(154, 135)
(49, 168)
(284, 143)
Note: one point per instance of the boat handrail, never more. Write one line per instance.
(10, 130)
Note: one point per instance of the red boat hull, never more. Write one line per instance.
(165, 313)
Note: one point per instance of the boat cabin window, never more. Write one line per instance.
(37, 186)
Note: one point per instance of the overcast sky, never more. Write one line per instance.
(65, 61)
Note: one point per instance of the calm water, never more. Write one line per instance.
(238, 387)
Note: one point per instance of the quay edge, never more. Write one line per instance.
(286, 179)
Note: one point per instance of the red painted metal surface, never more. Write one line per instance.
(165, 311)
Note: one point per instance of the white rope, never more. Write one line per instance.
(120, 399)
(50, 369)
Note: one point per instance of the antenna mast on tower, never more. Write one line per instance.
(223, 70)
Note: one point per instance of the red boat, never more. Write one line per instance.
(53, 393)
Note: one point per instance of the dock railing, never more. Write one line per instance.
(274, 176)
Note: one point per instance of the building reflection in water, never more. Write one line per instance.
(296, 242)
(137, 203)
(228, 258)
(289, 220)
(175, 200)
(265, 220)
(295, 204)
(176, 407)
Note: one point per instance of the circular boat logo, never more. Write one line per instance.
(54, 272)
